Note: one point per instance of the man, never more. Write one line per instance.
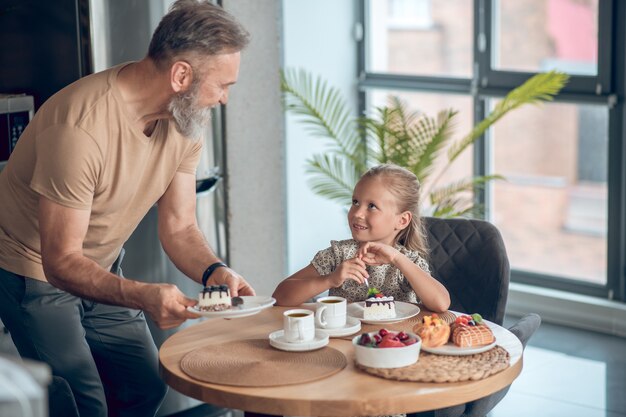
(88, 167)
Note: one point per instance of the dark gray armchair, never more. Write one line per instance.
(468, 256)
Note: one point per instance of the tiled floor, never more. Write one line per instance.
(567, 373)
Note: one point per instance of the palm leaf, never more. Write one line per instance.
(431, 137)
(456, 207)
(394, 134)
(332, 177)
(539, 88)
(324, 112)
(457, 199)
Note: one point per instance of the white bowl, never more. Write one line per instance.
(390, 357)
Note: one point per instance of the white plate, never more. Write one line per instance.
(403, 312)
(352, 326)
(454, 350)
(252, 304)
(277, 340)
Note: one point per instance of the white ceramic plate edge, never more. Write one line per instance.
(353, 325)
(403, 311)
(453, 350)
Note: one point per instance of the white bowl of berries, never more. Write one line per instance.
(387, 349)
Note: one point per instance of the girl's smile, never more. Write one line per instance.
(373, 216)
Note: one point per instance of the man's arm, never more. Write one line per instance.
(183, 241)
(62, 231)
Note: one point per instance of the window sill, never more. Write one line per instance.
(567, 309)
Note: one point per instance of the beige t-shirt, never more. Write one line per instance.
(82, 151)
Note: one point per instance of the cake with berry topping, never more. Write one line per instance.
(471, 331)
(214, 298)
(378, 306)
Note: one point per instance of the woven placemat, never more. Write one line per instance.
(254, 363)
(445, 368)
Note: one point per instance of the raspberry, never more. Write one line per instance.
(391, 343)
(391, 335)
(409, 341)
(383, 332)
(403, 336)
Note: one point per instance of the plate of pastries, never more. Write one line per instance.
(467, 335)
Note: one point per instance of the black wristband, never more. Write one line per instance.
(209, 271)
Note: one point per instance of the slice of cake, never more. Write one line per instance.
(378, 306)
(214, 298)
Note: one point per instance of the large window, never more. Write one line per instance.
(560, 206)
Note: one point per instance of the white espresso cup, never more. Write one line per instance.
(330, 312)
(299, 325)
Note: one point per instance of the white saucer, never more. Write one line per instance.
(277, 340)
(352, 326)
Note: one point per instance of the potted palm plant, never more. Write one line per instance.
(395, 134)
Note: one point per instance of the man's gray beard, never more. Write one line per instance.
(189, 119)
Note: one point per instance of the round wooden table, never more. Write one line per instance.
(349, 392)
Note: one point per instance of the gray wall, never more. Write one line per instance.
(276, 223)
(255, 141)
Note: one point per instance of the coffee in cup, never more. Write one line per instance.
(299, 325)
(331, 312)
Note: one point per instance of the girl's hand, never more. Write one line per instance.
(373, 253)
(353, 269)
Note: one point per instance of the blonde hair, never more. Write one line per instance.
(405, 186)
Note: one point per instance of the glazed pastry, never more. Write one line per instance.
(433, 331)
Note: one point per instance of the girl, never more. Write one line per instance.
(387, 248)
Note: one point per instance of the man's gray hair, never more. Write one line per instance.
(195, 27)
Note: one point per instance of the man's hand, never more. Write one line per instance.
(237, 284)
(167, 305)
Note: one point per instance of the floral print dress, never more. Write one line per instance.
(387, 278)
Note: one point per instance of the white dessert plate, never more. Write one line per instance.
(252, 304)
(277, 340)
(454, 350)
(352, 326)
(403, 312)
